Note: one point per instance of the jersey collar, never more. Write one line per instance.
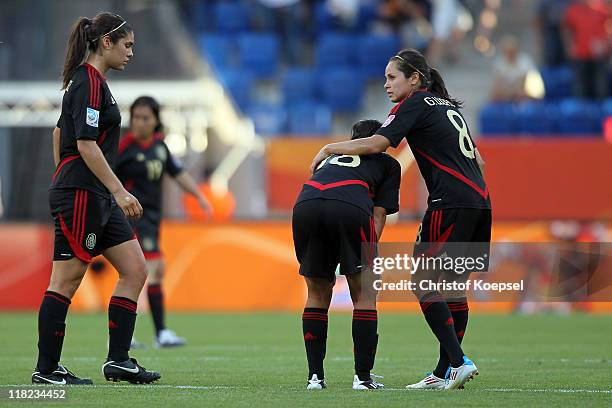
(144, 145)
(95, 70)
(396, 107)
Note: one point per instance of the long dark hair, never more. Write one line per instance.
(410, 61)
(365, 128)
(85, 35)
(152, 104)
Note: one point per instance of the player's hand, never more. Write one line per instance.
(204, 204)
(128, 203)
(322, 155)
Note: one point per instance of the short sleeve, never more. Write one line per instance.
(568, 17)
(387, 195)
(400, 122)
(174, 167)
(84, 102)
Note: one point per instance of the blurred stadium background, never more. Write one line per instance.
(252, 89)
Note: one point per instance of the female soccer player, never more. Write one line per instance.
(143, 159)
(459, 207)
(89, 205)
(343, 206)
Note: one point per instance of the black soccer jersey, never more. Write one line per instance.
(141, 166)
(89, 112)
(441, 143)
(363, 181)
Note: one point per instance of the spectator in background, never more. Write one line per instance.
(445, 31)
(510, 72)
(1, 206)
(345, 12)
(408, 19)
(588, 44)
(287, 18)
(549, 17)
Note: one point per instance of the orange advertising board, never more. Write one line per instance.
(212, 267)
(529, 179)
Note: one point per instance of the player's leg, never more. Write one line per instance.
(470, 238)
(69, 209)
(123, 251)
(147, 230)
(65, 279)
(317, 253)
(314, 328)
(358, 234)
(164, 337)
(434, 234)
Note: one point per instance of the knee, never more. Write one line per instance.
(136, 273)
(422, 294)
(322, 296)
(364, 300)
(65, 286)
(156, 274)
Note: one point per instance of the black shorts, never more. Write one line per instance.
(86, 224)
(327, 233)
(147, 232)
(456, 232)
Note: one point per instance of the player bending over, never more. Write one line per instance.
(342, 206)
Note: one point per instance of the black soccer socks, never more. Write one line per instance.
(314, 328)
(156, 304)
(121, 322)
(459, 310)
(438, 316)
(51, 329)
(365, 341)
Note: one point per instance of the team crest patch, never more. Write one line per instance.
(161, 153)
(90, 242)
(140, 157)
(93, 117)
(147, 244)
(388, 121)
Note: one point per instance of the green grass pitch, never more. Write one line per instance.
(252, 360)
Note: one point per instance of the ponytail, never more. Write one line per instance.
(437, 87)
(77, 49)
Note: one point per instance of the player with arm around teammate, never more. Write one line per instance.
(459, 205)
(340, 210)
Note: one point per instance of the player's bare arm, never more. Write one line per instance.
(93, 157)
(480, 161)
(56, 146)
(188, 184)
(356, 147)
(380, 217)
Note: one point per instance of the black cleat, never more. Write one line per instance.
(128, 370)
(61, 376)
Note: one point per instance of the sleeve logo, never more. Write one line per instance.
(93, 117)
(388, 121)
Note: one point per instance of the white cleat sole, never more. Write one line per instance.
(463, 378)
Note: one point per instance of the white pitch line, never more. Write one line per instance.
(224, 387)
(85, 387)
(555, 391)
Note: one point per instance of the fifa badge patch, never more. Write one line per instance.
(388, 121)
(93, 117)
